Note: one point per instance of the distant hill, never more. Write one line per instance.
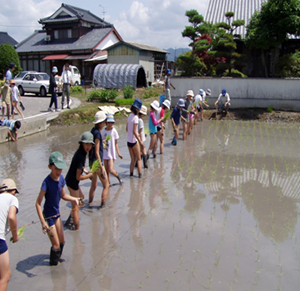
(171, 57)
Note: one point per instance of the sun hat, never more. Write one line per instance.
(54, 70)
(99, 117)
(87, 137)
(166, 103)
(137, 104)
(201, 91)
(155, 105)
(168, 71)
(110, 118)
(12, 82)
(12, 65)
(144, 110)
(181, 102)
(223, 91)
(208, 92)
(6, 83)
(57, 159)
(190, 93)
(8, 185)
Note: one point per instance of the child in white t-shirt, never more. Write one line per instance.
(141, 132)
(110, 138)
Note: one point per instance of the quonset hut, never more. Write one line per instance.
(117, 76)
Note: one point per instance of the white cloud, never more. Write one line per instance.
(20, 17)
(157, 22)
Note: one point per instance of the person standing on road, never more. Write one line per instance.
(10, 72)
(5, 93)
(67, 81)
(52, 89)
(15, 98)
(167, 85)
(223, 102)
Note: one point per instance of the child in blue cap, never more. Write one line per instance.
(175, 117)
(53, 190)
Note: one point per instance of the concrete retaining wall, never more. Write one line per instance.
(29, 126)
(280, 94)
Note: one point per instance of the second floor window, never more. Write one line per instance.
(62, 33)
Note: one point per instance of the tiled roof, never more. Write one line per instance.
(140, 46)
(5, 38)
(79, 14)
(243, 10)
(36, 42)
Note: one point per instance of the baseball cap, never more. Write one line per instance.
(137, 103)
(168, 71)
(190, 93)
(166, 103)
(99, 117)
(87, 137)
(144, 110)
(155, 105)
(110, 118)
(57, 159)
(181, 102)
(12, 65)
(7, 185)
(223, 91)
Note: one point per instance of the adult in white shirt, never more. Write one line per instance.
(223, 102)
(67, 81)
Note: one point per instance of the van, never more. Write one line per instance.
(76, 78)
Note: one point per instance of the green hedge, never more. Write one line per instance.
(103, 95)
(76, 89)
(122, 102)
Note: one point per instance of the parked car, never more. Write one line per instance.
(32, 82)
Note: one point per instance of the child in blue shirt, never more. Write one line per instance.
(175, 117)
(53, 190)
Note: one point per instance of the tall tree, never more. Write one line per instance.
(8, 54)
(226, 45)
(269, 28)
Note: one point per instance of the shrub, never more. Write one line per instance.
(270, 109)
(288, 66)
(128, 92)
(104, 95)
(234, 73)
(122, 102)
(76, 89)
(149, 94)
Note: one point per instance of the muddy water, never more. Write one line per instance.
(218, 211)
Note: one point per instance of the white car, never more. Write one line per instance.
(32, 82)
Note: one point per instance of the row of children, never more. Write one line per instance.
(10, 97)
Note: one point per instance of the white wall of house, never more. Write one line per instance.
(280, 94)
(110, 40)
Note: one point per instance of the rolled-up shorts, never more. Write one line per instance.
(3, 246)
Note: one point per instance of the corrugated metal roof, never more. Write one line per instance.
(243, 10)
(36, 42)
(139, 46)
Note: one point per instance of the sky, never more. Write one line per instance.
(154, 22)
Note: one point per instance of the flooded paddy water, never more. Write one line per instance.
(218, 211)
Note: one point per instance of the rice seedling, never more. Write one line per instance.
(167, 116)
(21, 231)
(217, 261)
(95, 167)
(146, 131)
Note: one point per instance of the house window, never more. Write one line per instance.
(63, 34)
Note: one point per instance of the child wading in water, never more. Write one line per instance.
(160, 113)
(153, 127)
(110, 137)
(9, 207)
(75, 175)
(142, 135)
(175, 117)
(53, 190)
(97, 154)
(133, 137)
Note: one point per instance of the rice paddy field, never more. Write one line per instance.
(219, 211)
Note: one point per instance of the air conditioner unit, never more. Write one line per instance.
(48, 38)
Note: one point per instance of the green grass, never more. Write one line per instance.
(122, 102)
